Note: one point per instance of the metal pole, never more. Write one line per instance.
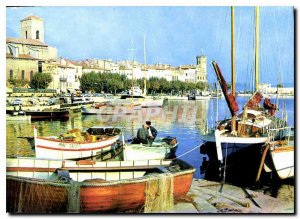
(233, 121)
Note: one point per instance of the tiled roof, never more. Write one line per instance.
(31, 17)
(21, 56)
(25, 41)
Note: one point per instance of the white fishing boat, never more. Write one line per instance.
(107, 108)
(145, 102)
(12, 117)
(280, 158)
(204, 95)
(164, 148)
(76, 145)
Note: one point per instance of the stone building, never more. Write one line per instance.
(201, 69)
(26, 55)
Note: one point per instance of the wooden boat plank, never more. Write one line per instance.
(41, 169)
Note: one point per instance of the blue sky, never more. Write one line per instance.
(174, 35)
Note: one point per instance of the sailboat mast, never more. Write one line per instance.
(256, 46)
(132, 78)
(145, 86)
(233, 121)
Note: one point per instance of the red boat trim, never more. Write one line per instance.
(80, 149)
(66, 141)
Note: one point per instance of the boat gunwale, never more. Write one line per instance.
(74, 142)
(141, 179)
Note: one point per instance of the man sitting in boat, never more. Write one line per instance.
(146, 134)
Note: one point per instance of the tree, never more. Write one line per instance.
(202, 85)
(18, 82)
(90, 82)
(40, 80)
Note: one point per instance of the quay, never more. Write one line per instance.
(205, 197)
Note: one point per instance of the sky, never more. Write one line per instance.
(173, 35)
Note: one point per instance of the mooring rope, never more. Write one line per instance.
(190, 150)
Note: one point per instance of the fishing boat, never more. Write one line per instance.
(204, 95)
(107, 108)
(61, 186)
(236, 142)
(163, 148)
(280, 158)
(17, 116)
(76, 144)
(144, 101)
(48, 114)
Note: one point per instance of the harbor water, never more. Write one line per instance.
(183, 119)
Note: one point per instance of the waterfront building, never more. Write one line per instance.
(135, 70)
(187, 73)
(160, 71)
(26, 55)
(201, 69)
(267, 89)
(65, 75)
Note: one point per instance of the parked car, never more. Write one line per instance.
(17, 102)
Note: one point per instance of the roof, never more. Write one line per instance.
(21, 56)
(25, 41)
(31, 17)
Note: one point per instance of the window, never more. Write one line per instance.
(11, 74)
(31, 75)
(23, 75)
(26, 34)
(40, 66)
(37, 34)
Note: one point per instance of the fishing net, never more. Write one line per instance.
(40, 197)
(159, 193)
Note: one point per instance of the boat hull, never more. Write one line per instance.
(63, 114)
(145, 102)
(118, 110)
(58, 149)
(30, 188)
(145, 152)
(281, 161)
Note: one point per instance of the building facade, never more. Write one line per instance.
(25, 55)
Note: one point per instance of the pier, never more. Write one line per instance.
(205, 197)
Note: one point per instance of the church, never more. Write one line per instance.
(26, 55)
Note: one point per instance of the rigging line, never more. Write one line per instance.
(225, 165)
(222, 35)
(189, 151)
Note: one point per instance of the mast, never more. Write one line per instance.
(132, 50)
(145, 88)
(233, 120)
(256, 46)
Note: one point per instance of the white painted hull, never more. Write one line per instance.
(282, 162)
(56, 149)
(145, 102)
(202, 97)
(227, 145)
(145, 152)
(118, 110)
(18, 118)
(176, 98)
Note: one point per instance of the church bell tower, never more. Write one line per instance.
(32, 27)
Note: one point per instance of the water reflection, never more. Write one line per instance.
(185, 120)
